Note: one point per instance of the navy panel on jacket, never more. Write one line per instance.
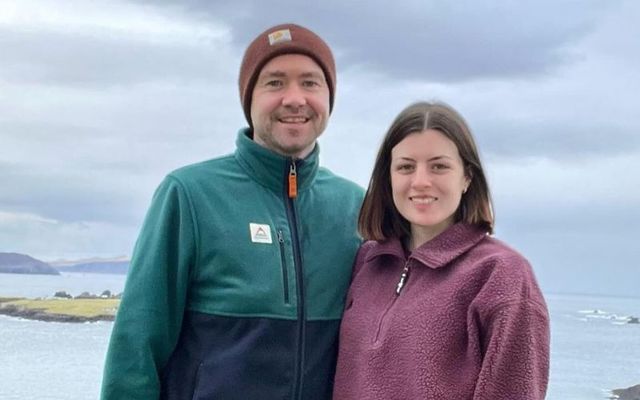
(248, 358)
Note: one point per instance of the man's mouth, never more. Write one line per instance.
(293, 119)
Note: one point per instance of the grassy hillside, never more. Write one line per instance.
(63, 310)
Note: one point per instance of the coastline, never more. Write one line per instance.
(630, 393)
(60, 310)
(602, 350)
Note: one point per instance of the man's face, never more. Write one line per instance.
(290, 105)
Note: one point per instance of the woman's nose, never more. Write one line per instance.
(421, 177)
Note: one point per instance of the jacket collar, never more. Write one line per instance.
(437, 252)
(271, 169)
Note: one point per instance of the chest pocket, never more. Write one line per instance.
(249, 273)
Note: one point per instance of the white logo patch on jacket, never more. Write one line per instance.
(260, 233)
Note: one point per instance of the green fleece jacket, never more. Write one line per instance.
(236, 290)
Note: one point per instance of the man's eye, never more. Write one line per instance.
(274, 83)
(310, 83)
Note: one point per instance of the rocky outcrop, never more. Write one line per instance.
(630, 393)
(86, 295)
(15, 263)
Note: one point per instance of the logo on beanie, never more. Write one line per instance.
(280, 36)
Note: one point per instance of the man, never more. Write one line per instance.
(237, 281)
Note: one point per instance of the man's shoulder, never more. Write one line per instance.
(203, 169)
(337, 182)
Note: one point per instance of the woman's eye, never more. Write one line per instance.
(439, 167)
(405, 167)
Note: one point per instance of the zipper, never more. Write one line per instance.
(399, 286)
(403, 278)
(293, 181)
(289, 195)
(283, 263)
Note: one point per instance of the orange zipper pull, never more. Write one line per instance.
(293, 181)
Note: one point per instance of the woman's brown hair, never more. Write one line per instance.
(379, 219)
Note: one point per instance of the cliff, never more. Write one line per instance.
(15, 263)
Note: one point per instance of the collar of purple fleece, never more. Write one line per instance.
(439, 251)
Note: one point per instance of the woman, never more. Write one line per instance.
(437, 308)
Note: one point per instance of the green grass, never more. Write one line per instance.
(75, 307)
(9, 299)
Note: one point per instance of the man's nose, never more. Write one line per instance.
(294, 96)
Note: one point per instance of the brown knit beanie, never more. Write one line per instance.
(276, 41)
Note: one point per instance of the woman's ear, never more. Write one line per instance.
(468, 177)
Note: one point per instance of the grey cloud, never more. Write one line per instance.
(92, 59)
(580, 248)
(551, 212)
(77, 197)
(435, 41)
(560, 140)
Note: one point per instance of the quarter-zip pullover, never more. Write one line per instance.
(461, 317)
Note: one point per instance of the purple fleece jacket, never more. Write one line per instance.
(469, 323)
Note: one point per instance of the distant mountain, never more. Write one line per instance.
(61, 263)
(15, 263)
(98, 267)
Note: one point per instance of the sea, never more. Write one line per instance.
(593, 348)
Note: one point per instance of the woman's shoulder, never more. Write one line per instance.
(496, 251)
(365, 248)
(508, 275)
(372, 249)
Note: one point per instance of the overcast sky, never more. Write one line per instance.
(100, 100)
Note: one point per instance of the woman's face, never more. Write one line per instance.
(427, 180)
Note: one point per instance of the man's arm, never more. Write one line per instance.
(150, 315)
